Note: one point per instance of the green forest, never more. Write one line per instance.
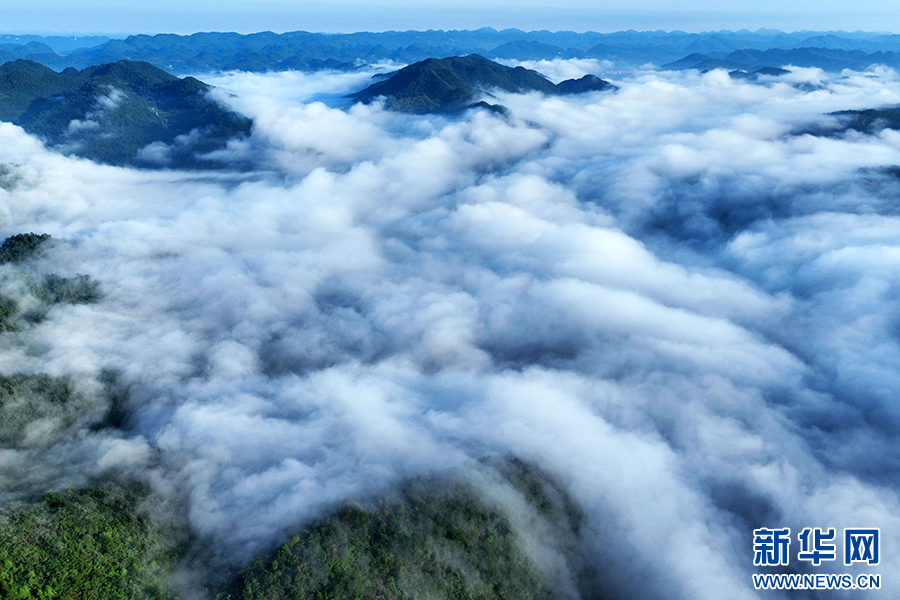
(434, 538)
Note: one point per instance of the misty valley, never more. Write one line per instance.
(465, 315)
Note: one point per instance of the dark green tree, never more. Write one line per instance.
(22, 246)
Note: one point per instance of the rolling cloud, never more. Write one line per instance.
(682, 310)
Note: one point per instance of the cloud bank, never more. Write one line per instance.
(684, 312)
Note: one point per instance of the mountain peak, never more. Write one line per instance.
(446, 85)
(114, 112)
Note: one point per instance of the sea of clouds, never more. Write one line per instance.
(684, 311)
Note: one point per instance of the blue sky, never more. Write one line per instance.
(187, 16)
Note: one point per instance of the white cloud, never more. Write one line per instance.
(682, 311)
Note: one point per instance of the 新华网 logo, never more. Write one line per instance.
(771, 547)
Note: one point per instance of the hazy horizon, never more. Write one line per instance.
(51, 17)
(124, 34)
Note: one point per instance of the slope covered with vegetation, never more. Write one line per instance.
(120, 113)
(87, 543)
(36, 289)
(436, 538)
(869, 121)
(424, 544)
(452, 84)
(22, 246)
(36, 408)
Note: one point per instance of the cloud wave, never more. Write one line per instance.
(682, 310)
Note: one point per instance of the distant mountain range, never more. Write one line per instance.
(453, 84)
(120, 113)
(828, 59)
(266, 51)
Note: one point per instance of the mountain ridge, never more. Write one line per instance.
(267, 51)
(828, 59)
(446, 85)
(111, 113)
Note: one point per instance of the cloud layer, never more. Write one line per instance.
(685, 313)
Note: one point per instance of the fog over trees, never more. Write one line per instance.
(545, 346)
